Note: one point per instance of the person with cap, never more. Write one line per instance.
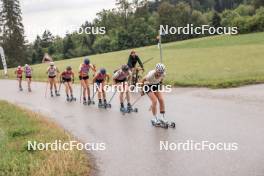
(19, 74)
(100, 80)
(52, 72)
(84, 69)
(121, 79)
(67, 78)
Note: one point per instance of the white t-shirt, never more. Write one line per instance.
(120, 75)
(151, 78)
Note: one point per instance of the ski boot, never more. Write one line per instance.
(100, 104)
(106, 104)
(57, 93)
(156, 122)
(89, 101)
(20, 88)
(72, 98)
(123, 109)
(68, 98)
(166, 123)
(29, 89)
(51, 94)
(131, 109)
(84, 101)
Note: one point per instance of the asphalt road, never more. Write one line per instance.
(133, 146)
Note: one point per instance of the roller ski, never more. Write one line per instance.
(20, 89)
(71, 99)
(51, 94)
(162, 123)
(89, 102)
(107, 105)
(84, 102)
(101, 105)
(57, 93)
(104, 105)
(128, 110)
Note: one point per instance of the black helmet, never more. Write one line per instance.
(69, 68)
(103, 71)
(125, 68)
(86, 61)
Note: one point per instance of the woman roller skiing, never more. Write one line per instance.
(152, 87)
(52, 72)
(67, 78)
(19, 74)
(121, 79)
(100, 79)
(28, 74)
(84, 78)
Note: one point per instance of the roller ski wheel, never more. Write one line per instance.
(123, 110)
(89, 102)
(101, 105)
(159, 123)
(109, 105)
(173, 125)
(73, 99)
(130, 110)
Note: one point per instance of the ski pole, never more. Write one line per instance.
(137, 100)
(60, 85)
(94, 94)
(46, 89)
(81, 92)
(112, 97)
(150, 59)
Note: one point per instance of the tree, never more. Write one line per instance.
(216, 20)
(13, 32)
(47, 39)
(125, 8)
(68, 47)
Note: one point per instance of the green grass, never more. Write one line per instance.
(218, 61)
(18, 126)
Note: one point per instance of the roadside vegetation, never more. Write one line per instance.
(17, 126)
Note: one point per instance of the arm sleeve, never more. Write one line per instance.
(129, 63)
(140, 63)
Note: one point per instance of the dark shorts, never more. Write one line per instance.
(28, 77)
(19, 77)
(52, 77)
(151, 88)
(120, 81)
(99, 81)
(84, 78)
(66, 80)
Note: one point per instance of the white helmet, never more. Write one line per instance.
(52, 64)
(160, 68)
(26, 65)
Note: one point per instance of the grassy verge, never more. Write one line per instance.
(17, 127)
(219, 61)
